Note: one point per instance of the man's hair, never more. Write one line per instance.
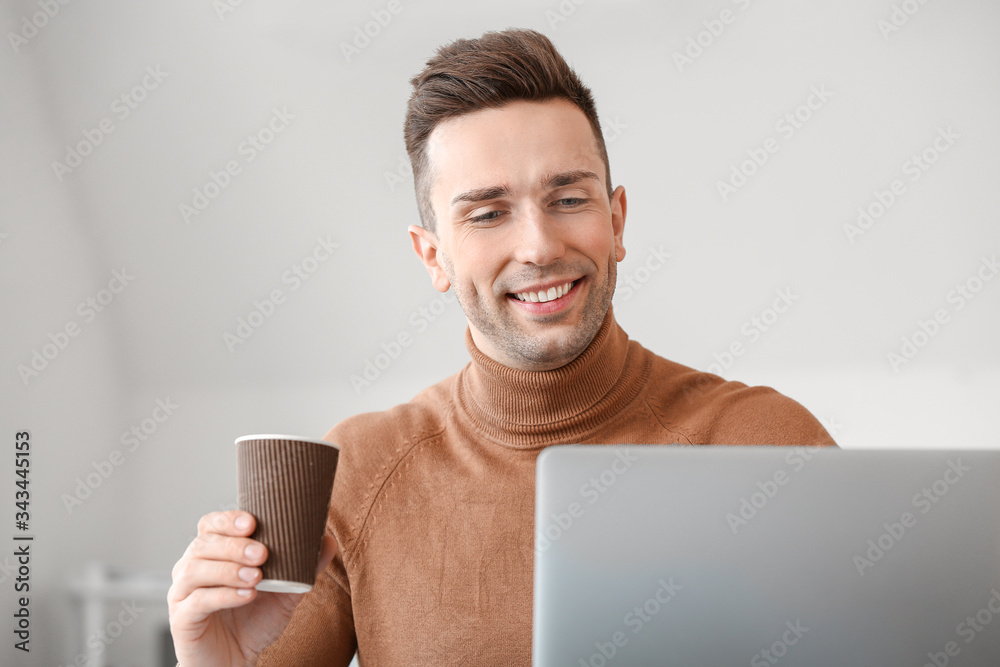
(469, 75)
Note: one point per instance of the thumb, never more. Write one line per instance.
(327, 553)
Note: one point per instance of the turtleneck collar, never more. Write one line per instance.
(530, 409)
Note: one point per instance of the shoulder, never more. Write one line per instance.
(711, 410)
(372, 437)
(374, 430)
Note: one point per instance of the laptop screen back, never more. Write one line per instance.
(672, 555)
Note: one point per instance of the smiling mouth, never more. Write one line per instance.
(550, 294)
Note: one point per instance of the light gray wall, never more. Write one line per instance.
(675, 131)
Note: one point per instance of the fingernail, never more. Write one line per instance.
(254, 552)
(248, 574)
(243, 522)
(244, 592)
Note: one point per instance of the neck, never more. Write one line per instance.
(532, 408)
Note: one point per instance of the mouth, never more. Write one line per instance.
(547, 300)
(546, 294)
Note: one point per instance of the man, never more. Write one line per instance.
(429, 552)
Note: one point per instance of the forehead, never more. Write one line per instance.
(513, 145)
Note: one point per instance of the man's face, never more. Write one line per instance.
(526, 235)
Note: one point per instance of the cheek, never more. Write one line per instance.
(482, 261)
(598, 244)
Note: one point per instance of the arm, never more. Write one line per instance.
(321, 631)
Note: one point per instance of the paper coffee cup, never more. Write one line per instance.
(285, 482)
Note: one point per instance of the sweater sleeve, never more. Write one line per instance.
(321, 631)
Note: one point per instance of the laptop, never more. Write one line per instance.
(761, 556)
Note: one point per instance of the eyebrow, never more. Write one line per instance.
(482, 194)
(565, 178)
(558, 180)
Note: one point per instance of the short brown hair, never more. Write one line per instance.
(468, 75)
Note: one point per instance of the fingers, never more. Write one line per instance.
(203, 602)
(225, 548)
(194, 573)
(232, 522)
(220, 556)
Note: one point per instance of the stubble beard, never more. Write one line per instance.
(503, 330)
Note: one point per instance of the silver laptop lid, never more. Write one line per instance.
(672, 555)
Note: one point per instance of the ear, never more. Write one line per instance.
(425, 244)
(618, 209)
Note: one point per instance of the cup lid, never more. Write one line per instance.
(272, 436)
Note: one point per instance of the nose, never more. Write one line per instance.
(539, 239)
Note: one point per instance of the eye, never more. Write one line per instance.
(489, 216)
(571, 202)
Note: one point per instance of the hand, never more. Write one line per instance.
(217, 617)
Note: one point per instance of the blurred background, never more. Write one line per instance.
(203, 234)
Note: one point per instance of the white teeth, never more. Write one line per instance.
(541, 297)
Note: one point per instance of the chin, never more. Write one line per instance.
(553, 350)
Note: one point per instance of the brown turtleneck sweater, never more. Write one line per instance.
(433, 502)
